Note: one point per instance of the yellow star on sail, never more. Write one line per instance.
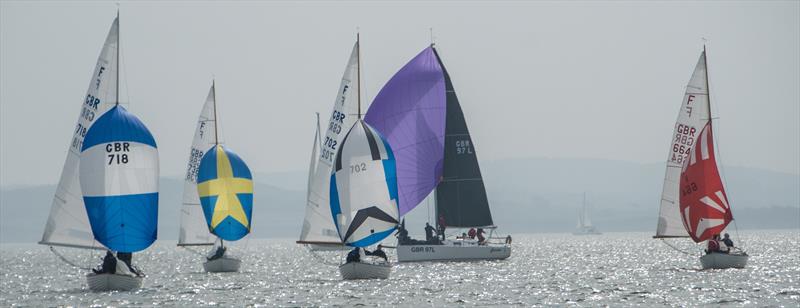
(225, 187)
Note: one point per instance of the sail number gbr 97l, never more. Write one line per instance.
(118, 152)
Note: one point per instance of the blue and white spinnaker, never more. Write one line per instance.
(119, 181)
(363, 192)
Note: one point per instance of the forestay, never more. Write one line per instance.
(317, 224)
(692, 116)
(410, 111)
(225, 188)
(704, 204)
(364, 188)
(68, 224)
(119, 181)
(193, 229)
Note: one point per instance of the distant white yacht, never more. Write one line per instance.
(585, 226)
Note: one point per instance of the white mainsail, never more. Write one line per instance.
(194, 230)
(692, 116)
(317, 224)
(68, 223)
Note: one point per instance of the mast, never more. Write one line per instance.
(118, 58)
(708, 89)
(358, 69)
(214, 88)
(216, 134)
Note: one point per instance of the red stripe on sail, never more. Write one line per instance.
(703, 202)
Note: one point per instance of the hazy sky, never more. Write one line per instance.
(535, 79)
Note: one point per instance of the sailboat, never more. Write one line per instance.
(585, 226)
(318, 231)
(693, 201)
(420, 114)
(217, 196)
(364, 197)
(107, 197)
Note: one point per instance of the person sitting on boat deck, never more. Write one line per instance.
(378, 252)
(728, 242)
(462, 237)
(127, 258)
(354, 255)
(713, 244)
(481, 239)
(217, 253)
(429, 232)
(109, 265)
(471, 233)
(442, 226)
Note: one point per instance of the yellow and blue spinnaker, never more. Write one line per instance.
(225, 186)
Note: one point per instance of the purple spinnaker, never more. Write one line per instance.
(410, 112)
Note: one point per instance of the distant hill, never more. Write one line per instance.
(527, 195)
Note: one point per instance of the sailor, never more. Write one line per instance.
(109, 264)
(728, 242)
(429, 232)
(354, 255)
(471, 233)
(402, 234)
(127, 259)
(480, 233)
(442, 226)
(713, 244)
(217, 253)
(378, 252)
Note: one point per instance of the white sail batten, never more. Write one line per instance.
(692, 116)
(317, 224)
(193, 229)
(68, 223)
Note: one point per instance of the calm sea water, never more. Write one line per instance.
(618, 269)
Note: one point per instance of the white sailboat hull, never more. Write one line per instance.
(363, 270)
(222, 265)
(452, 251)
(113, 282)
(724, 260)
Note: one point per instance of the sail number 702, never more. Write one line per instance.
(358, 168)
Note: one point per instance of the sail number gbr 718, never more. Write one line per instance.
(118, 152)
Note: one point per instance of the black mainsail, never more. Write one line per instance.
(460, 196)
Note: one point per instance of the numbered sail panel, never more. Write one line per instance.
(692, 116)
(119, 180)
(704, 205)
(68, 224)
(461, 196)
(410, 111)
(317, 224)
(225, 188)
(193, 228)
(364, 199)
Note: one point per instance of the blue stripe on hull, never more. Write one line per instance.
(127, 223)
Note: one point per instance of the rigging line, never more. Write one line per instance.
(676, 248)
(66, 260)
(193, 251)
(318, 257)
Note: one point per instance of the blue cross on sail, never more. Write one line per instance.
(225, 186)
(119, 181)
(363, 189)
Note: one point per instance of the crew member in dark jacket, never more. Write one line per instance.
(378, 253)
(353, 255)
(109, 264)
